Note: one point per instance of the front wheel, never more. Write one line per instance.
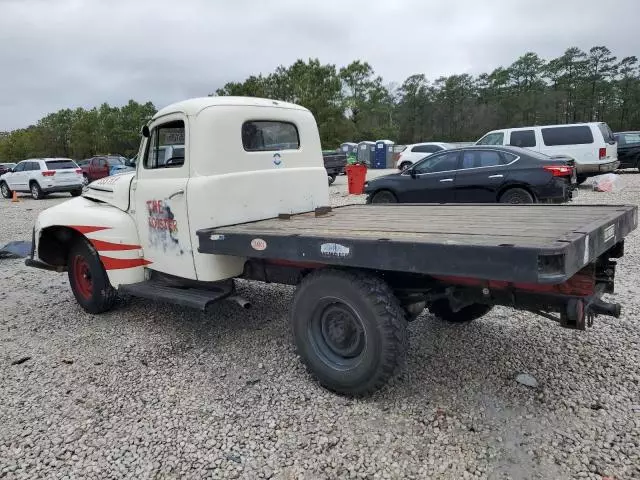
(384, 197)
(36, 191)
(332, 178)
(349, 331)
(442, 309)
(516, 195)
(76, 193)
(5, 190)
(88, 279)
(580, 179)
(85, 179)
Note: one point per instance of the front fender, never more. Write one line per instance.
(109, 230)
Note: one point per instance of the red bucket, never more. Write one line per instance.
(356, 176)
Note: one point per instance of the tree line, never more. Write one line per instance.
(353, 103)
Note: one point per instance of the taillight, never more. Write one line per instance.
(602, 153)
(559, 170)
(78, 170)
(48, 173)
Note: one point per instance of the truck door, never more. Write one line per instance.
(159, 192)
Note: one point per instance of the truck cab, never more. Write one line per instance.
(201, 163)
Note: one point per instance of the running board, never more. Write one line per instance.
(186, 297)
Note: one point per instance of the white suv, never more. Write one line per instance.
(591, 145)
(417, 151)
(41, 176)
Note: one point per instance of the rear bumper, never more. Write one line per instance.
(62, 188)
(595, 168)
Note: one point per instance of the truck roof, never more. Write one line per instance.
(194, 106)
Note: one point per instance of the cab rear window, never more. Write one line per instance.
(60, 164)
(269, 135)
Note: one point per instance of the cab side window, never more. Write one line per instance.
(165, 148)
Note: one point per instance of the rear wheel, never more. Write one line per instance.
(76, 193)
(5, 190)
(516, 195)
(85, 179)
(580, 179)
(88, 279)
(442, 309)
(349, 330)
(384, 197)
(405, 165)
(332, 178)
(36, 191)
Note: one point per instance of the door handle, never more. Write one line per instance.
(447, 180)
(496, 176)
(179, 192)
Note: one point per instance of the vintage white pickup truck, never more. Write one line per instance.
(248, 198)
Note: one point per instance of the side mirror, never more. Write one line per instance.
(412, 172)
(145, 131)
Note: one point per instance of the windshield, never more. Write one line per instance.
(115, 162)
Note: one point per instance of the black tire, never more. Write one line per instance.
(442, 309)
(85, 179)
(405, 165)
(76, 193)
(580, 179)
(349, 330)
(5, 190)
(384, 196)
(516, 195)
(36, 191)
(332, 178)
(88, 279)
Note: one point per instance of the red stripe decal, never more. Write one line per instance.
(87, 229)
(120, 263)
(103, 246)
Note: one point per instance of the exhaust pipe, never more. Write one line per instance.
(243, 303)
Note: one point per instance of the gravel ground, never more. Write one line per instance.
(154, 391)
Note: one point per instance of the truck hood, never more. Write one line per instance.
(113, 190)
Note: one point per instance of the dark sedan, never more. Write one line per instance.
(478, 175)
(628, 149)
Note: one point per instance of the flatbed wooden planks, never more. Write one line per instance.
(500, 242)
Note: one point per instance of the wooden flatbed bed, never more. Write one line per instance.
(513, 243)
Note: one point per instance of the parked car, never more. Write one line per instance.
(591, 145)
(478, 175)
(41, 176)
(628, 149)
(417, 151)
(5, 167)
(334, 164)
(101, 166)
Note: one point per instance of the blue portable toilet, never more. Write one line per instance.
(381, 153)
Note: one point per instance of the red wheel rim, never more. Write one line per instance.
(82, 276)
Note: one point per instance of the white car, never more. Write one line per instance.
(591, 145)
(417, 151)
(41, 176)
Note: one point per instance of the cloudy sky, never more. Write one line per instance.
(67, 53)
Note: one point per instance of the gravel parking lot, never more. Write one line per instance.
(155, 391)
